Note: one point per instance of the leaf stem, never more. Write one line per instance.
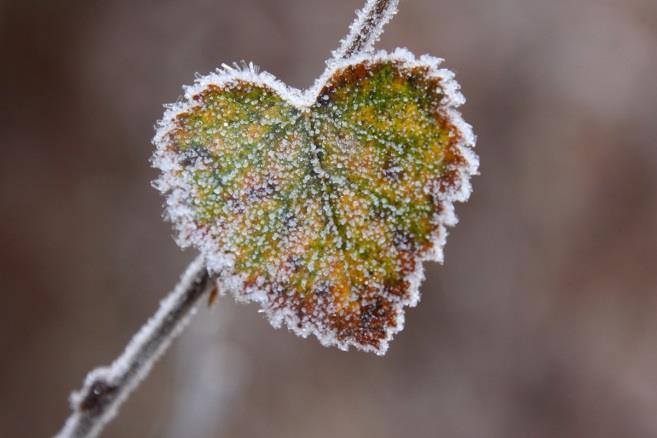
(106, 388)
(366, 29)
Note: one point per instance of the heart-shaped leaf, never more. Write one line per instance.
(320, 205)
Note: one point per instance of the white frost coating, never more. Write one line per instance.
(127, 371)
(221, 263)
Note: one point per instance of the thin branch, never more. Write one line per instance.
(106, 388)
(366, 29)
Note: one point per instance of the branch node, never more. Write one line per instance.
(98, 396)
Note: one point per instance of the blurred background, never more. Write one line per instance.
(542, 322)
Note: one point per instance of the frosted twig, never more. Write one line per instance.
(106, 388)
(366, 29)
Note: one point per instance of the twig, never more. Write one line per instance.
(106, 388)
(366, 29)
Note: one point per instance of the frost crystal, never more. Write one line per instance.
(320, 205)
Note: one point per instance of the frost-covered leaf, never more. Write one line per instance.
(320, 205)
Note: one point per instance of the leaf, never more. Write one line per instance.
(320, 205)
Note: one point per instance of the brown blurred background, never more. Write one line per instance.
(542, 322)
